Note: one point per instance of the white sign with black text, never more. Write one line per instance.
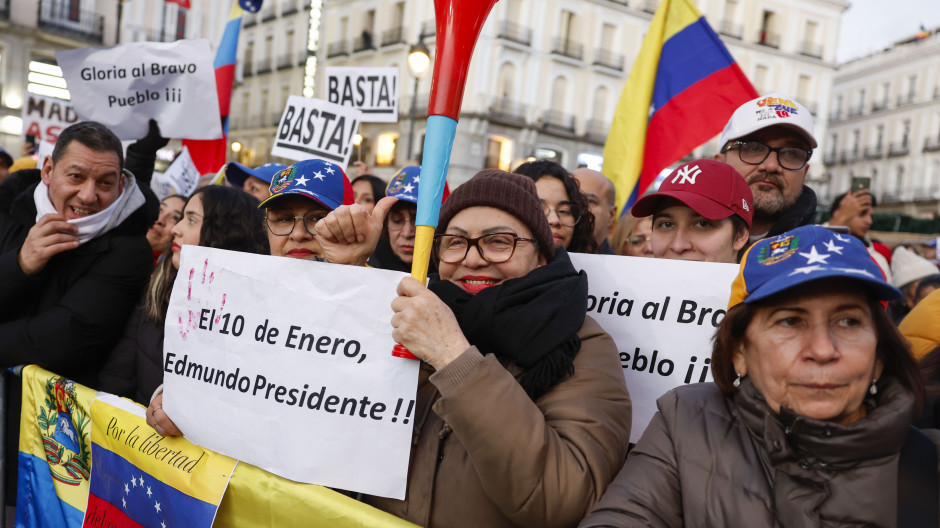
(181, 177)
(287, 364)
(126, 85)
(314, 128)
(662, 314)
(44, 118)
(374, 91)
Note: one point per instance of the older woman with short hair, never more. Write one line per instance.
(814, 396)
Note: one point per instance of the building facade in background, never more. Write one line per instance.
(885, 123)
(544, 81)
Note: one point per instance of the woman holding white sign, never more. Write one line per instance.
(214, 216)
(808, 422)
(702, 212)
(522, 414)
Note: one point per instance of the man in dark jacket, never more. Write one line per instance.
(769, 140)
(73, 259)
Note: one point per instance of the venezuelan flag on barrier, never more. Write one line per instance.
(140, 479)
(54, 452)
(681, 91)
(209, 154)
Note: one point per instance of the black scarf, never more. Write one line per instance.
(532, 321)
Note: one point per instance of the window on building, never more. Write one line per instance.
(879, 136)
(507, 75)
(856, 138)
(599, 112)
(566, 25)
(559, 93)
(767, 33)
(343, 28)
(833, 144)
(731, 10)
(899, 180)
(269, 46)
(74, 10)
(289, 41)
(513, 10)
(802, 88)
(181, 23)
(399, 14)
(607, 36)
(386, 149)
(498, 153)
(809, 34)
(905, 133)
(760, 78)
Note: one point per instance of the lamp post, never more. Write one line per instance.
(419, 62)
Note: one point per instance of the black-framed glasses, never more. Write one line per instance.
(755, 152)
(281, 223)
(568, 213)
(494, 247)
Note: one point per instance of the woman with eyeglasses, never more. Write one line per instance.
(701, 212)
(300, 196)
(214, 216)
(567, 210)
(522, 414)
(633, 236)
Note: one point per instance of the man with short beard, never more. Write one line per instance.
(769, 140)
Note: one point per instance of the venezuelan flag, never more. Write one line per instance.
(209, 154)
(681, 91)
(54, 452)
(140, 479)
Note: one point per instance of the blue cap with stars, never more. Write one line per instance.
(404, 185)
(805, 254)
(236, 173)
(316, 179)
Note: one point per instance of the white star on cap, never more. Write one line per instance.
(409, 187)
(833, 248)
(329, 169)
(856, 271)
(417, 179)
(319, 175)
(813, 257)
(303, 181)
(839, 237)
(806, 270)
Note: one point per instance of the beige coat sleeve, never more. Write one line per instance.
(543, 463)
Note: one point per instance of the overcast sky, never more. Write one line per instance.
(871, 25)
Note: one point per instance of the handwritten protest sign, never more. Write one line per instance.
(662, 314)
(45, 117)
(181, 177)
(124, 86)
(287, 365)
(313, 128)
(374, 91)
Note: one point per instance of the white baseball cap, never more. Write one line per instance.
(767, 111)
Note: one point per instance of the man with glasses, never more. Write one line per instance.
(769, 140)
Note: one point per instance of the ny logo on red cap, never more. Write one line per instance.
(684, 174)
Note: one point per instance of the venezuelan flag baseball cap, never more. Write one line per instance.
(711, 188)
(802, 255)
(404, 185)
(236, 173)
(316, 179)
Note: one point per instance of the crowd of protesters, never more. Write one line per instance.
(522, 414)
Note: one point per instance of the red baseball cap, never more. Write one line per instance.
(711, 188)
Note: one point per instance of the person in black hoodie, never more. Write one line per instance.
(769, 140)
(74, 258)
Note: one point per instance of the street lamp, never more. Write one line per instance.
(419, 61)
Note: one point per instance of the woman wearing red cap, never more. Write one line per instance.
(702, 212)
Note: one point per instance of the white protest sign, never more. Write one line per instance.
(181, 177)
(124, 86)
(662, 314)
(43, 151)
(287, 365)
(45, 117)
(313, 128)
(374, 91)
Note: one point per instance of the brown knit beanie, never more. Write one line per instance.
(508, 192)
